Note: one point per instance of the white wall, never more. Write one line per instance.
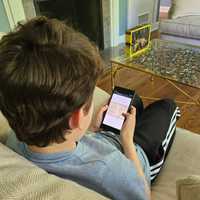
(135, 8)
(15, 11)
(4, 23)
(140, 7)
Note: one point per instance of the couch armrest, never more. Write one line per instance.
(100, 98)
(21, 179)
(4, 128)
(188, 188)
(1, 34)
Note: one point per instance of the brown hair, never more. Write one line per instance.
(47, 71)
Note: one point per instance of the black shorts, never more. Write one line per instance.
(155, 130)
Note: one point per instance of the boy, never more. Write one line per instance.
(49, 72)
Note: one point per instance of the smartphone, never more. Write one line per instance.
(120, 102)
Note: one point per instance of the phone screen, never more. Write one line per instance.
(118, 104)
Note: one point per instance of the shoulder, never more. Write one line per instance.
(13, 143)
(91, 149)
(97, 142)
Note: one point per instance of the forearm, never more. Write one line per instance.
(130, 153)
(126, 137)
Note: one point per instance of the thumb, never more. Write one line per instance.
(133, 110)
(104, 108)
(125, 115)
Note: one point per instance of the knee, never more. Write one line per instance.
(170, 102)
(137, 102)
(169, 105)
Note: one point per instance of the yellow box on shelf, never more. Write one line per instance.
(138, 39)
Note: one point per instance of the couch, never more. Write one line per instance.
(20, 179)
(183, 24)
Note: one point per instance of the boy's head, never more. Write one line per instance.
(48, 71)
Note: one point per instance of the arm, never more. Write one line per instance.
(126, 136)
(120, 179)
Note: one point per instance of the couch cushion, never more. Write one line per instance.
(182, 161)
(181, 8)
(20, 179)
(189, 188)
(187, 26)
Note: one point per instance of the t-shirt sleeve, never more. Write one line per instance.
(121, 181)
(13, 143)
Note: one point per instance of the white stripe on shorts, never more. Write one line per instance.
(156, 168)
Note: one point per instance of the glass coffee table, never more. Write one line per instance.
(175, 62)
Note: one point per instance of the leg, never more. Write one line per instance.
(138, 104)
(155, 132)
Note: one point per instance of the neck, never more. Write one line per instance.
(68, 145)
(54, 147)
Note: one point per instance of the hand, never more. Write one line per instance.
(96, 123)
(128, 128)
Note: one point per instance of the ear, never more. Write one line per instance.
(74, 120)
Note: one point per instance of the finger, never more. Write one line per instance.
(104, 108)
(133, 110)
(126, 115)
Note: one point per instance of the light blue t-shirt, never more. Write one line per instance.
(96, 164)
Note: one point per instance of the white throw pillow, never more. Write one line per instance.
(184, 8)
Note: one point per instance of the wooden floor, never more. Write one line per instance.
(159, 88)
